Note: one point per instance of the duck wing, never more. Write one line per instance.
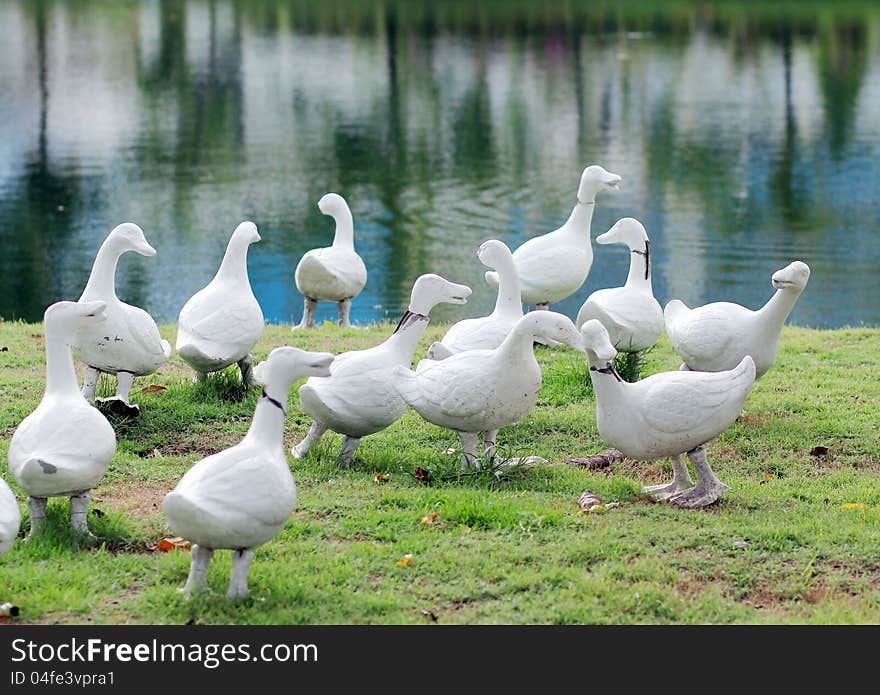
(144, 332)
(455, 387)
(679, 403)
(211, 318)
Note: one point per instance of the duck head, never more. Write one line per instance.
(493, 253)
(247, 233)
(595, 179)
(333, 204)
(129, 237)
(71, 316)
(430, 290)
(551, 327)
(627, 231)
(597, 344)
(794, 277)
(288, 364)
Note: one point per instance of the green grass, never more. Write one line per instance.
(782, 546)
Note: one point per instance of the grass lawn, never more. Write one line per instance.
(797, 539)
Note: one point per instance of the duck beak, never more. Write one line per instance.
(146, 250)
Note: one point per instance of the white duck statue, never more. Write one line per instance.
(10, 517)
(360, 398)
(716, 336)
(666, 415)
(553, 266)
(63, 448)
(487, 332)
(631, 315)
(221, 323)
(334, 273)
(240, 498)
(128, 343)
(485, 390)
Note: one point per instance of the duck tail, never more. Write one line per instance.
(673, 312)
(492, 278)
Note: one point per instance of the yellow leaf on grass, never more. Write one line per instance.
(328, 324)
(769, 476)
(405, 560)
(381, 477)
(428, 519)
(854, 505)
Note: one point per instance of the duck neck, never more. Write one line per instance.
(640, 267)
(408, 333)
(581, 218)
(267, 426)
(102, 280)
(776, 310)
(518, 347)
(344, 236)
(607, 383)
(509, 301)
(60, 374)
(233, 268)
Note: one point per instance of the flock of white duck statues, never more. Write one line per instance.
(482, 376)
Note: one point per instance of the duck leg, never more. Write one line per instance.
(79, 510)
(708, 488)
(316, 431)
(90, 384)
(199, 376)
(198, 570)
(118, 404)
(344, 311)
(468, 457)
(489, 437)
(37, 513)
(308, 319)
(349, 446)
(238, 581)
(681, 481)
(542, 307)
(246, 365)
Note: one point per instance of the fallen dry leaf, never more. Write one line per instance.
(854, 505)
(429, 614)
(168, 544)
(153, 388)
(422, 475)
(428, 519)
(598, 461)
(381, 477)
(819, 451)
(405, 560)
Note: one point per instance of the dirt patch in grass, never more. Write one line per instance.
(135, 499)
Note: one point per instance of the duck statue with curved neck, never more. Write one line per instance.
(666, 415)
(553, 266)
(335, 273)
(630, 314)
(360, 398)
(487, 332)
(221, 323)
(484, 390)
(10, 517)
(127, 343)
(716, 336)
(64, 447)
(241, 498)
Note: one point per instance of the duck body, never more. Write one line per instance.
(10, 517)
(241, 498)
(237, 498)
(553, 266)
(335, 273)
(487, 332)
(671, 414)
(630, 314)
(221, 323)
(716, 337)
(64, 447)
(359, 398)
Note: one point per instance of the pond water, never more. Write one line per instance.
(747, 136)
